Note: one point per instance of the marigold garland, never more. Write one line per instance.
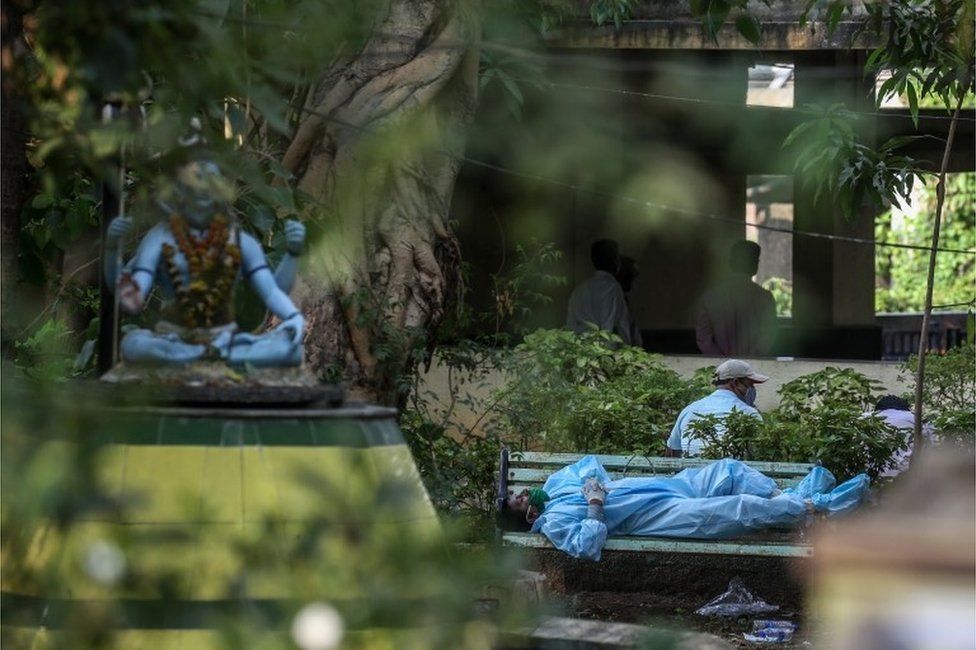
(205, 297)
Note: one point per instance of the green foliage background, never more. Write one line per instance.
(949, 393)
(63, 520)
(820, 418)
(589, 393)
(573, 394)
(901, 272)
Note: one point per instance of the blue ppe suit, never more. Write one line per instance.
(724, 499)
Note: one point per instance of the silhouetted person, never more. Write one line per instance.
(737, 317)
(626, 275)
(599, 300)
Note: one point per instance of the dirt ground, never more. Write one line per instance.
(669, 613)
(665, 590)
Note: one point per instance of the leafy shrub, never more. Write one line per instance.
(782, 290)
(46, 354)
(457, 455)
(820, 418)
(736, 435)
(846, 442)
(828, 388)
(458, 467)
(455, 437)
(393, 585)
(949, 392)
(588, 393)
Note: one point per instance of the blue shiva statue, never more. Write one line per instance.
(195, 258)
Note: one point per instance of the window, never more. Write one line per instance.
(770, 85)
(769, 222)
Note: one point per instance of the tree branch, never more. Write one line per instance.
(939, 204)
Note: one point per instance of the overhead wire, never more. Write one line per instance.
(967, 303)
(651, 204)
(602, 193)
(718, 102)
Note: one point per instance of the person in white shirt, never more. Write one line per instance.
(626, 275)
(898, 414)
(735, 382)
(737, 316)
(599, 300)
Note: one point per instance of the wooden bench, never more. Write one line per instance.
(529, 469)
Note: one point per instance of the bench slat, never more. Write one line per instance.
(669, 545)
(647, 464)
(536, 475)
(517, 485)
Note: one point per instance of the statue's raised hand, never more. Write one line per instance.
(118, 228)
(294, 237)
(295, 326)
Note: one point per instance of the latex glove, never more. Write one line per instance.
(118, 228)
(295, 325)
(594, 491)
(294, 237)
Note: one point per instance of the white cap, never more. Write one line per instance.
(737, 369)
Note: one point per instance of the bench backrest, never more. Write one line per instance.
(528, 469)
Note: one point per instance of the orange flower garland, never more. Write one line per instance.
(205, 298)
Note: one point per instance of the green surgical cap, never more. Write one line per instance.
(538, 498)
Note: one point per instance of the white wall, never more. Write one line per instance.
(780, 371)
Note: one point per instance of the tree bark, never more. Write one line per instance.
(940, 190)
(378, 151)
(13, 153)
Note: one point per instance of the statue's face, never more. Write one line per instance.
(202, 190)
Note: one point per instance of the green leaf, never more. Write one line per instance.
(41, 201)
(965, 41)
(887, 89)
(913, 103)
(718, 11)
(84, 356)
(278, 170)
(749, 26)
(834, 14)
(261, 218)
(874, 58)
(42, 235)
(512, 88)
(897, 142)
(271, 108)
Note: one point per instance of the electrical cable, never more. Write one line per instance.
(651, 204)
(562, 60)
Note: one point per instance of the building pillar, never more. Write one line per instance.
(833, 282)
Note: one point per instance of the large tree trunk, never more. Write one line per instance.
(378, 150)
(13, 177)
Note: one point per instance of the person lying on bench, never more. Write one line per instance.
(579, 506)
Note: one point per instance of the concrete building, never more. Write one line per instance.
(693, 131)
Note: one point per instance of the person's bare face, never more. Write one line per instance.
(520, 503)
